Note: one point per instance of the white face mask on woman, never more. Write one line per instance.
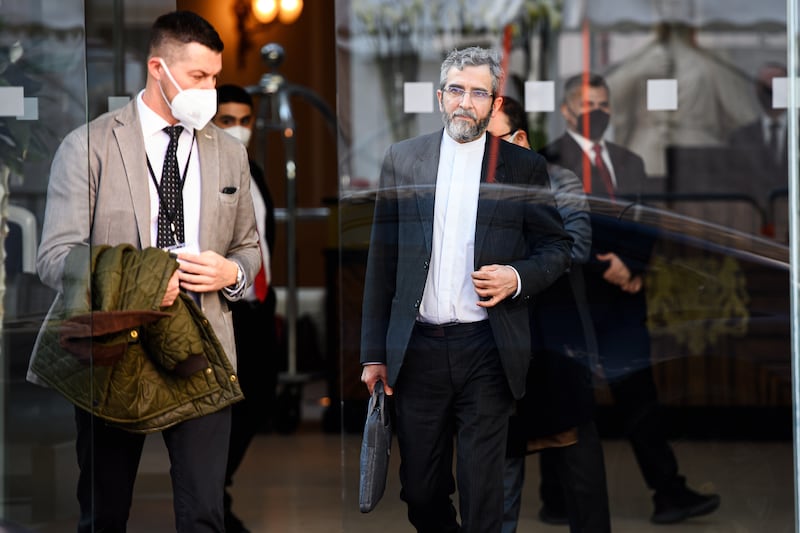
(239, 132)
(193, 107)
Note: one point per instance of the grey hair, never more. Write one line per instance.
(473, 56)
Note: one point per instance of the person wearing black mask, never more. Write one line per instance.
(614, 280)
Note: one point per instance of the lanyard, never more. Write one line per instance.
(171, 214)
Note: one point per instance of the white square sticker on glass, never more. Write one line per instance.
(780, 93)
(12, 101)
(540, 96)
(662, 95)
(31, 109)
(418, 97)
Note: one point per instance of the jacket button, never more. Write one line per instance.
(233, 378)
(425, 265)
(134, 334)
(209, 370)
(416, 304)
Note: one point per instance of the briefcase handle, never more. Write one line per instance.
(378, 401)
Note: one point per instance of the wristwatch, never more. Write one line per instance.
(239, 278)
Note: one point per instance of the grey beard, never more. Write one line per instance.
(464, 132)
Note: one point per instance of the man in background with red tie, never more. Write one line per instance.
(614, 288)
(254, 314)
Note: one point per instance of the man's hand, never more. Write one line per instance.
(634, 285)
(494, 283)
(206, 272)
(371, 374)
(618, 274)
(173, 288)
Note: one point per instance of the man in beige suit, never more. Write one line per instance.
(109, 185)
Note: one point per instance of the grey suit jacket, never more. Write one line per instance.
(99, 194)
(517, 225)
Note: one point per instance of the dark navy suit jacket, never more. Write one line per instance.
(619, 317)
(517, 225)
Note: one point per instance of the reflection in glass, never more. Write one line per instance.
(704, 223)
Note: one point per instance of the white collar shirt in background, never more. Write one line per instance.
(260, 208)
(587, 145)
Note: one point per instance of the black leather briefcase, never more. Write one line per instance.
(376, 447)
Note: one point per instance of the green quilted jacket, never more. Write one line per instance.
(112, 350)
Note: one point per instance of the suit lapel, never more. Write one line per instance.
(425, 170)
(572, 156)
(131, 147)
(208, 155)
(487, 206)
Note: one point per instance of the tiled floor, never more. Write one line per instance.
(307, 482)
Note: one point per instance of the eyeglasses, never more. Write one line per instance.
(477, 95)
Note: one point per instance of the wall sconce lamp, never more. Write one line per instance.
(287, 11)
(263, 13)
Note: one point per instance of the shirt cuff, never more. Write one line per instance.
(519, 282)
(233, 292)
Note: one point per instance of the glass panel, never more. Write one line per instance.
(686, 330)
(44, 81)
(50, 51)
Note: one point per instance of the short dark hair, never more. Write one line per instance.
(184, 27)
(517, 119)
(575, 83)
(233, 93)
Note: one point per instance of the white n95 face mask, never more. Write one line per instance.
(193, 107)
(241, 133)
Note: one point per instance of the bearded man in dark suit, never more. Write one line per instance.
(465, 234)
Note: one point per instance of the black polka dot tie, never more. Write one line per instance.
(170, 194)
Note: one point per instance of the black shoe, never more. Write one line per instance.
(233, 524)
(677, 506)
(553, 517)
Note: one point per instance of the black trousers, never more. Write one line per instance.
(636, 398)
(577, 474)
(258, 359)
(452, 385)
(108, 458)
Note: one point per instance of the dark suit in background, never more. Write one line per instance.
(258, 358)
(556, 416)
(763, 142)
(767, 170)
(623, 341)
(254, 315)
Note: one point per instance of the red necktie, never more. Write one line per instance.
(260, 284)
(602, 169)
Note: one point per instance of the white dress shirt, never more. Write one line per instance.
(260, 208)
(449, 294)
(587, 145)
(155, 144)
